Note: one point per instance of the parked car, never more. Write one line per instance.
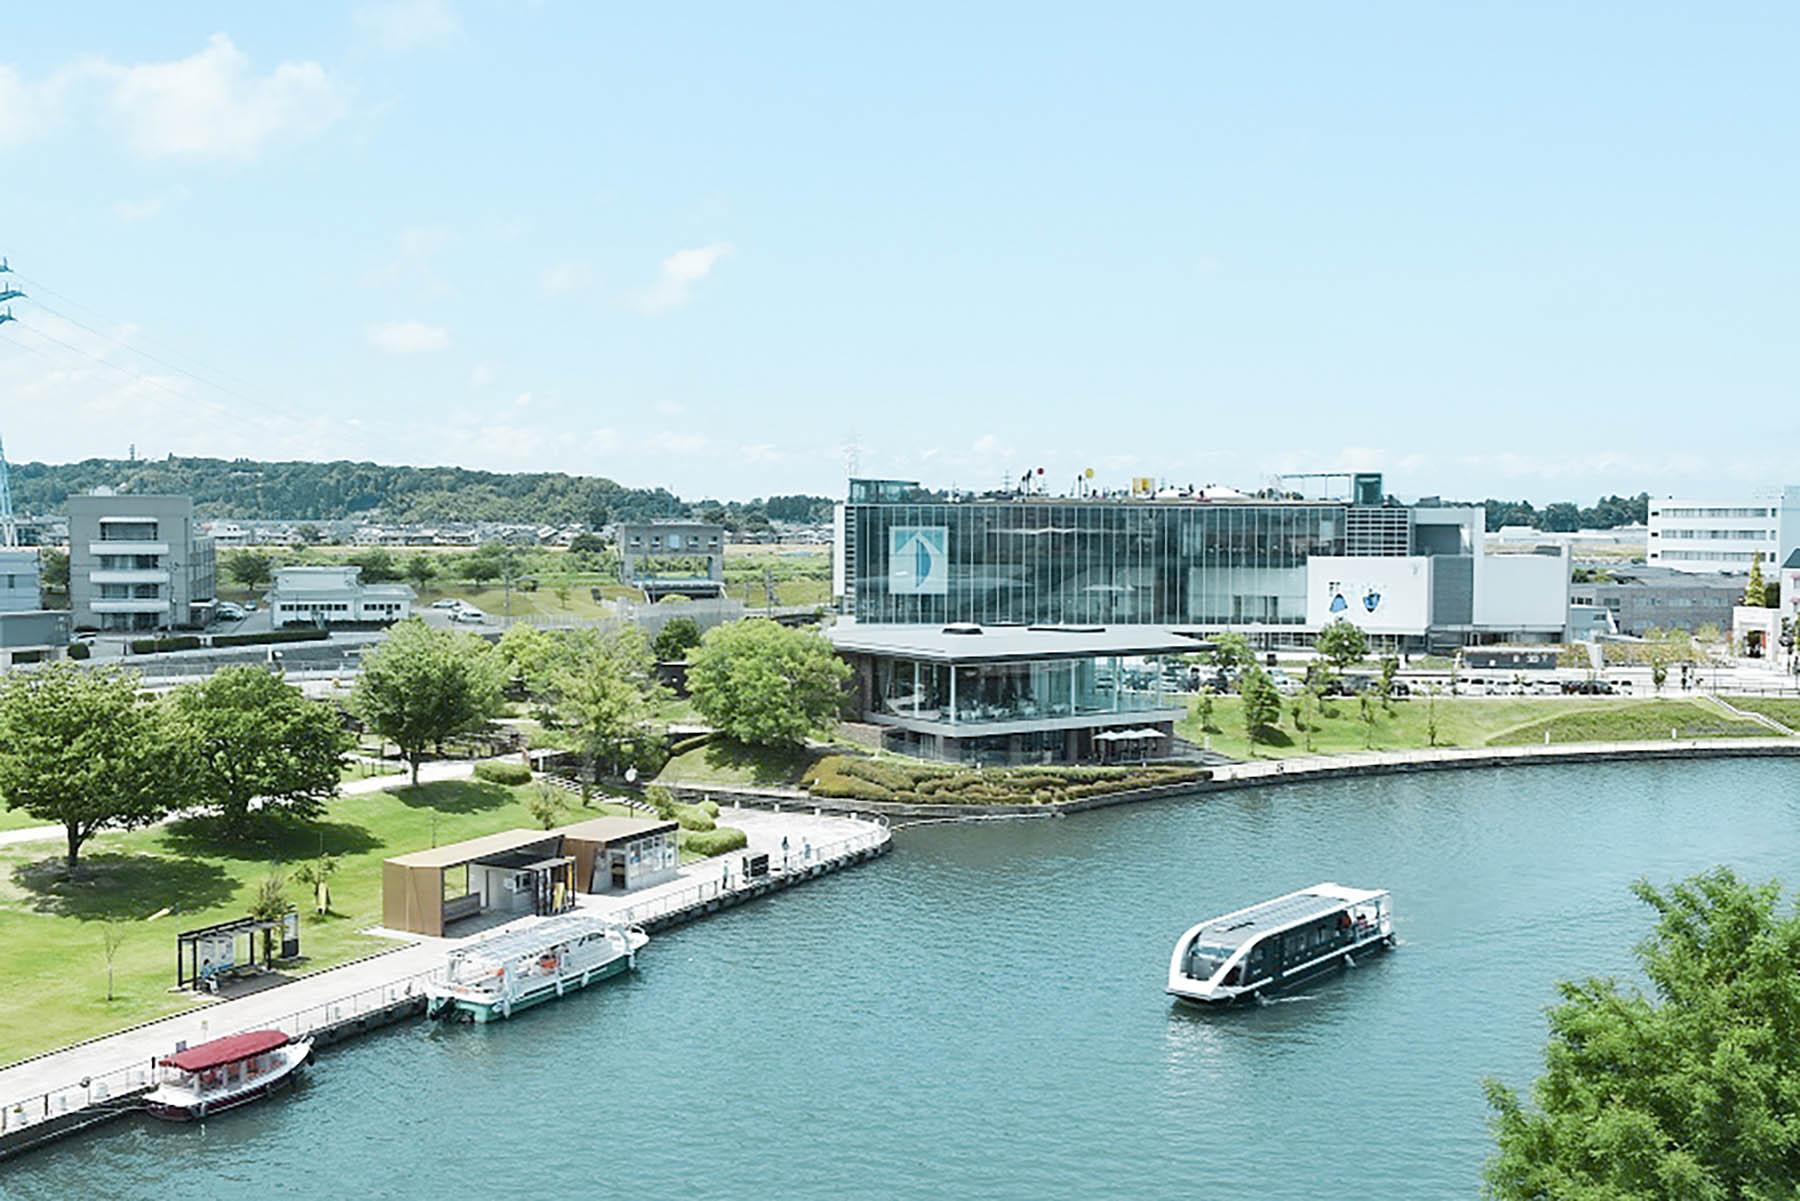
(471, 616)
(446, 603)
(226, 611)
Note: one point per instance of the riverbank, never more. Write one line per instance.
(54, 1087)
(1264, 772)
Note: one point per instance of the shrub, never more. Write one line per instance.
(694, 817)
(503, 772)
(718, 841)
(79, 650)
(306, 635)
(692, 742)
(943, 784)
(661, 800)
(152, 646)
(711, 807)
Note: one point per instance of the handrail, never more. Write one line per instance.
(69, 1098)
(105, 1087)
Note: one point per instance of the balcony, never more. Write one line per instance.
(129, 576)
(127, 548)
(145, 605)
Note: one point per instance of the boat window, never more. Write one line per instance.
(1206, 959)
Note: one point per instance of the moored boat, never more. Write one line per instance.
(494, 978)
(224, 1073)
(1279, 943)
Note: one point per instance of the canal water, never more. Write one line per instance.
(981, 1014)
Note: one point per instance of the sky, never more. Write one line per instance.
(1489, 249)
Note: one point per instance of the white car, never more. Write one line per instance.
(446, 603)
(229, 612)
(472, 616)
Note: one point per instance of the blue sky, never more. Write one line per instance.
(1510, 249)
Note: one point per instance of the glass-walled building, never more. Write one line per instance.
(1017, 695)
(913, 556)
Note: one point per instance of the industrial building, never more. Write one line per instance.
(138, 563)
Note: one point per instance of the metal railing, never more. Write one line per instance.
(800, 862)
(122, 1082)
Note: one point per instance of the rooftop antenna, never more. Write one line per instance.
(9, 529)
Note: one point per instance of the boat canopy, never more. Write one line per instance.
(517, 944)
(230, 1049)
(1235, 929)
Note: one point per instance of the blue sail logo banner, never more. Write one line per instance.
(918, 560)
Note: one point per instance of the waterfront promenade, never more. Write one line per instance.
(50, 1085)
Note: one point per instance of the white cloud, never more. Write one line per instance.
(28, 110)
(564, 277)
(522, 400)
(408, 337)
(148, 206)
(680, 272)
(210, 105)
(674, 443)
(409, 24)
(483, 375)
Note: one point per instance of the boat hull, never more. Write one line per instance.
(194, 1111)
(1309, 972)
(469, 1010)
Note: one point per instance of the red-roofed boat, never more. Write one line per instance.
(223, 1073)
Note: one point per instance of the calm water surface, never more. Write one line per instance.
(981, 1014)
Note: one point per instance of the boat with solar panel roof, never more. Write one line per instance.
(1279, 943)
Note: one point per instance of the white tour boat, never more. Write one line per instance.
(223, 1073)
(497, 976)
(1279, 943)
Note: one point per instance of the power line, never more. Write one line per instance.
(138, 376)
(175, 367)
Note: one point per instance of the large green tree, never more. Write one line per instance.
(87, 751)
(1756, 593)
(1342, 644)
(604, 709)
(678, 636)
(256, 738)
(1231, 649)
(766, 684)
(251, 568)
(421, 686)
(1690, 1092)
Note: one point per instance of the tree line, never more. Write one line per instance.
(296, 491)
(1563, 516)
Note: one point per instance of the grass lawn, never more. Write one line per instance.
(1475, 721)
(723, 762)
(1784, 709)
(53, 989)
(18, 819)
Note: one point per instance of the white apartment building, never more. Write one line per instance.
(335, 596)
(1725, 535)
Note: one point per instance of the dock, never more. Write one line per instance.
(58, 1093)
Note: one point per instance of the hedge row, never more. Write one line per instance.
(152, 646)
(716, 841)
(849, 778)
(312, 635)
(503, 772)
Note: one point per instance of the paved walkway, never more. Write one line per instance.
(1374, 762)
(369, 983)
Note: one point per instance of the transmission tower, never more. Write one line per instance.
(7, 292)
(9, 529)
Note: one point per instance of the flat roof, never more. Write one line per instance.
(457, 853)
(616, 829)
(1236, 929)
(970, 643)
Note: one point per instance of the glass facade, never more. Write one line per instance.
(1016, 690)
(1099, 562)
